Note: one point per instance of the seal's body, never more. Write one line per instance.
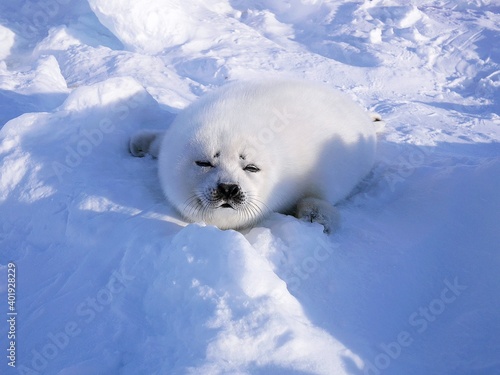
(251, 148)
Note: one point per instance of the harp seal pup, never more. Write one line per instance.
(252, 148)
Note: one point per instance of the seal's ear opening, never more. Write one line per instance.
(145, 142)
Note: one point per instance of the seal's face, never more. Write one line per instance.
(226, 184)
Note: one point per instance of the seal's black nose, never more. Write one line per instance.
(228, 191)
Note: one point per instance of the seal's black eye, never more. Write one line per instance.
(251, 168)
(201, 163)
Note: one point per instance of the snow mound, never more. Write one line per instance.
(157, 25)
(108, 93)
(237, 304)
(42, 88)
(7, 38)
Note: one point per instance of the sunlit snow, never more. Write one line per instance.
(109, 278)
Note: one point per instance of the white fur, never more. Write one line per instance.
(311, 144)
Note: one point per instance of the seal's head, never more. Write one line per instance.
(219, 176)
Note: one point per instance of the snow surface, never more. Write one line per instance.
(111, 281)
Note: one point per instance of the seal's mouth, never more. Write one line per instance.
(226, 205)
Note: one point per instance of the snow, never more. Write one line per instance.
(110, 280)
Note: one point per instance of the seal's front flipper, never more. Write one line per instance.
(319, 211)
(146, 142)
